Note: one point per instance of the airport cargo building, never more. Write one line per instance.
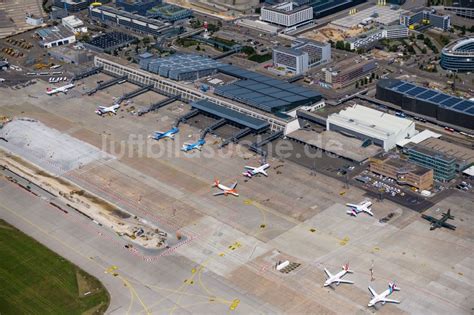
(440, 106)
(459, 55)
(403, 171)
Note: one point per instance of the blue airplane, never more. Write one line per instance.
(157, 135)
(192, 146)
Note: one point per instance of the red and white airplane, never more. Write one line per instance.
(225, 190)
(62, 89)
(355, 209)
(382, 297)
(337, 278)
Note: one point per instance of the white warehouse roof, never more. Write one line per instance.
(360, 120)
(425, 134)
(72, 21)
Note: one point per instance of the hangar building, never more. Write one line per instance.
(372, 125)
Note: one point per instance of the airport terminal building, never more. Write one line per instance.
(427, 102)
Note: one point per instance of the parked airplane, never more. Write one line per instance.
(225, 190)
(251, 171)
(192, 146)
(157, 135)
(337, 278)
(382, 297)
(438, 223)
(62, 89)
(355, 209)
(101, 110)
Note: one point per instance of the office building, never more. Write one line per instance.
(403, 172)
(75, 5)
(426, 17)
(139, 7)
(431, 103)
(368, 124)
(55, 36)
(34, 20)
(347, 72)
(459, 55)
(371, 37)
(130, 21)
(303, 55)
(443, 166)
(323, 8)
(287, 14)
(169, 12)
(75, 25)
(462, 11)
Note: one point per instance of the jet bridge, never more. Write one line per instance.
(106, 84)
(135, 93)
(213, 127)
(159, 105)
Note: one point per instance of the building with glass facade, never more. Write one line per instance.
(459, 55)
(443, 166)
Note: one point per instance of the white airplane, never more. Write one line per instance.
(225, 190)
(62, 89)
(382, 297)
(355, 209)
(337, 278)
(251, 171)
(101, 110)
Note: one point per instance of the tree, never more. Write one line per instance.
(198, 48)
(146, 40)
(366, 81)
(463, 30)
(423, 50)
(372, 76)
(420, 36)
(248, 50)
(347, 46)
(357, 85)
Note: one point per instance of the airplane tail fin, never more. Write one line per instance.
(449, 214)
(393, 287)
(346, 268)
(216, 182)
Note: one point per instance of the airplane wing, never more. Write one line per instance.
(351, 205)
(449, 226)
(390, 301)
(429, 218)
(327, 273)
(250, 167)
(372, 291)
(102, 107)
(263, 173)
(344, 281)
(218, 193)
(233, 186)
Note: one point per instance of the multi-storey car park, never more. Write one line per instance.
(427, 102)
(459, 55)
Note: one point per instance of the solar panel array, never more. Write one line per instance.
(181, 67)
(438, 98)
(263, 92)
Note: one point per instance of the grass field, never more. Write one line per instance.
(35, 280)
